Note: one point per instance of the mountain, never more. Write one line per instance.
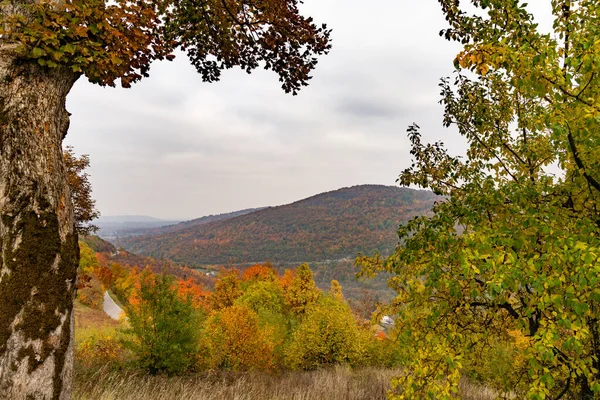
(329, 226)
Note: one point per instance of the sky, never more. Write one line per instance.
(174, 147)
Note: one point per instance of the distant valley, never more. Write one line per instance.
(117, 227)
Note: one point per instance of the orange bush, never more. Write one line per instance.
(89, 292)
(233, 339)
(286, 279)
(260, 272)
(188, 289)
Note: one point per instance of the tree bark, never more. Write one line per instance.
(40, 252)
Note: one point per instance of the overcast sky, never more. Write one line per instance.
(175, 147)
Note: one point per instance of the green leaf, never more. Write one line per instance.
(37, 52)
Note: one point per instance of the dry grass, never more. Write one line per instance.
(333, 384)
(86, 318)
(471, 391)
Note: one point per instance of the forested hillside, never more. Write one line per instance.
(329, 226)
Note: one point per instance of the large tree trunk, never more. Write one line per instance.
(40, 253)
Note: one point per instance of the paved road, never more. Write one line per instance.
(111, 308)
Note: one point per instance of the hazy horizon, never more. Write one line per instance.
(129, 217)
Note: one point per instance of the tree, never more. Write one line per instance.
(45, 47)
(234, 339)
(260, 272)
(327, 335)
(163, 326)
(89, 287)
(263, 296)
(514, 246)
(302, 290)
(227, 289)
(87, 259)
(335, 290)
(81, 191)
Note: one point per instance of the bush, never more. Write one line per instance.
(227, 289)
(263, 296)
(328, 334)
(163, 326)
(99, 348)
(90, 292)
(233, 339)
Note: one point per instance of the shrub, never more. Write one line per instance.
(328, 334)
(233, 339)
(263, 296)
(260, 272)
(90, 292)
(98, 348)
(163, 326)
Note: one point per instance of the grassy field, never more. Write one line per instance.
(332, 384)
(339, 383)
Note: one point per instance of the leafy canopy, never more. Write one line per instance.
(513, 252)
(114, 40)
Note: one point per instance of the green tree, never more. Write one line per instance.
(263, 296)
(45, 47)
(266, 298)
(515, 246)
(163, 327)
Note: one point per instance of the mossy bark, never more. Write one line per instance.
(40, 253)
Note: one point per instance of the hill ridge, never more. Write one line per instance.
(327, 226)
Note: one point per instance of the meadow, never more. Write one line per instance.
(337, 383)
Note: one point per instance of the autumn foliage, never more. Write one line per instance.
(254, 319)
(234, 339)
(111, 41)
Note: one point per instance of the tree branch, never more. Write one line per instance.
(595, 184)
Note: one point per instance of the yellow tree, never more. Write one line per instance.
(233, 339)
(227, 289)
(514, 249)
(335, 290)
(302, 290)
(328, 334)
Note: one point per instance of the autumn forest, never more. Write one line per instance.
(477, 278)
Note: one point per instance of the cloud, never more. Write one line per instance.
(175, 147)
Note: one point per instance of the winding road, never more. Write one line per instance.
(111, 308)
